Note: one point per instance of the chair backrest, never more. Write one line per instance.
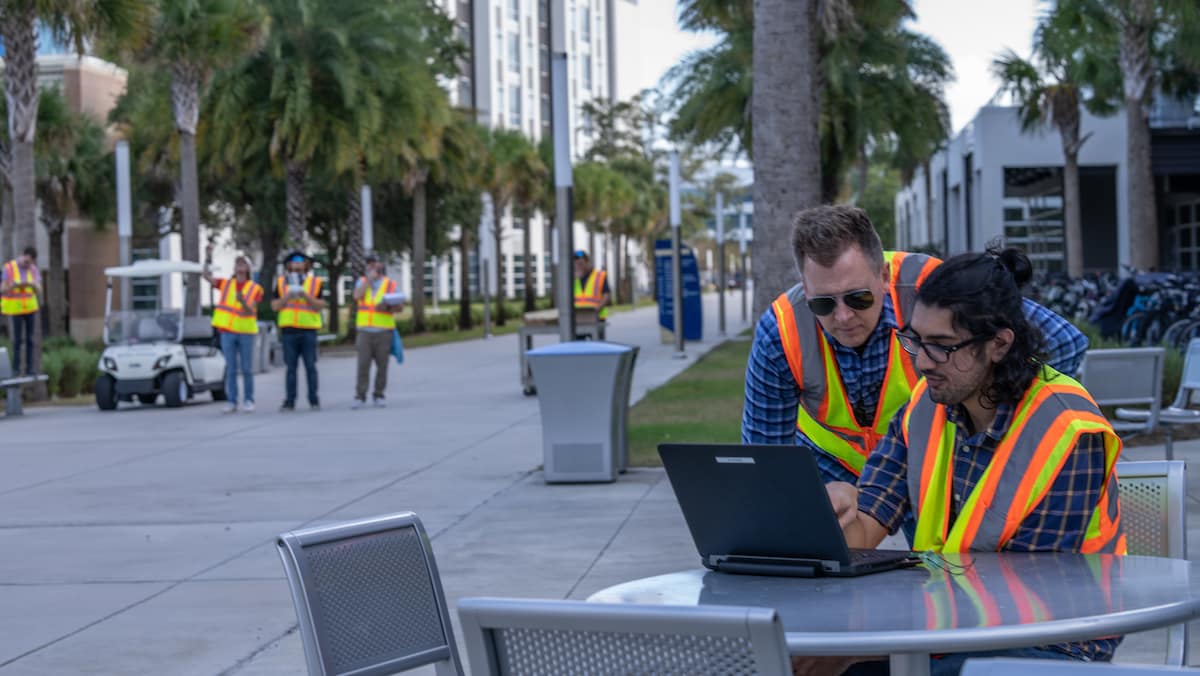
(524, 636)
(1125, 376)
(1153, 507)
(5, 364)
(368, 597)
(1020, 667)
(1190, 380)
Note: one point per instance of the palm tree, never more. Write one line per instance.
(786, 108)
(191, 39)
(506, 153)
(530, 177)
(69, 21)
(1050, 92)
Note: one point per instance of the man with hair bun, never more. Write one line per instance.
(994, 451)
(826, 371)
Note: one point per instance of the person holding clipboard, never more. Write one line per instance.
(20, 287)
(377, 299)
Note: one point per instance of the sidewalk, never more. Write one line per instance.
(141, 541)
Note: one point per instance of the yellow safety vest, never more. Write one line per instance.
(825, 415)
(591, 297)
(19, 300)
(368, 316)
(232, 316)
(295, 313)
(1054, 412)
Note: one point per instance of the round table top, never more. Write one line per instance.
(971, 602)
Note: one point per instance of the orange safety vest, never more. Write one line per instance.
(946, 588)
(230, 315)
(19, 300)
(296, 313)
(591, 296)
(825, 415)
(367, 316)
(1054, 412)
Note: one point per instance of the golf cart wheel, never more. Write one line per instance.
(106, 392)
(219, 395)
(147, 399)
(174, 389)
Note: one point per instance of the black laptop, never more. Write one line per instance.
(764, 510)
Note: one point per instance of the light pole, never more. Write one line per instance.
(721, 264)
(742, 255)
(676, 256)
(564, 217)
(124, 221)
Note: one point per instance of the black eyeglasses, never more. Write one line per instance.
(939, 354)
(855, 300)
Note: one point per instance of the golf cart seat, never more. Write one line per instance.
(150, 329)
(197, 330)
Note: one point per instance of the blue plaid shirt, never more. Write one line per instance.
(1058, 523)
(772, 394)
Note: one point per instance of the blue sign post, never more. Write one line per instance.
(693, 318)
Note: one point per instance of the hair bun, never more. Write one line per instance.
(1016, 262)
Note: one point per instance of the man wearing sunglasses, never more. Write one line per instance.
(993, 451)
(826, 370)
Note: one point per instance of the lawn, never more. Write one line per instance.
(704, 403)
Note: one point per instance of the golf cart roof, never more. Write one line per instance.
(153, 267)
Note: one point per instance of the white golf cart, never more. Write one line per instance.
(152, 352)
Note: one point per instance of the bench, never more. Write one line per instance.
(12, 385)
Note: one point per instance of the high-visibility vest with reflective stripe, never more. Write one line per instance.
(232, 316)
(18, 300)
(591, 296)
(826, 416)
(367, 315)
(296, 313)
(1018, 603)
(1054, 412)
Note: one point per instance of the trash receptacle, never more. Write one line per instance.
(262, 346)
(583, 394)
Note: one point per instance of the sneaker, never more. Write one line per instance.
(231, 407)
(315, 406)
(358, 403)
(378, 402)
(287, 407)
(248, 407)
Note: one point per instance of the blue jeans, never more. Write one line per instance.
(297, 344)
(239, 355)
(22, 337)
(950, 665)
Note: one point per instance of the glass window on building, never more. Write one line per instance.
(1033, 215)
(586, 71)
(514, 10)
(144, 290)
(514, 107)
(546, 115)
(585, 23)
(545, 60)
(514, 53)
(1187, 236)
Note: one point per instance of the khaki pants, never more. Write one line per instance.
(372, 346)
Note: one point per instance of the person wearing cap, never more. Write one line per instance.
(236, 320)
(298, 304)
(20, 286)
(374, 324)
(591, 286)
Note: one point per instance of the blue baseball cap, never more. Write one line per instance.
(295, 257)
(580, 253)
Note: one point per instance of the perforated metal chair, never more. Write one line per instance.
(1177, 413)
(1154, 517)
(1019, 667)
(368, 598)
(517, 637)
(1127, 377)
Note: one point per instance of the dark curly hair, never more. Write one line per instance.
(982, 290)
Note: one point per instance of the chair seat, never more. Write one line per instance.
(1169, 416)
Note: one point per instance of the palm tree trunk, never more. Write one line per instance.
(297, 202)
(420, 227)
(464, 295)
(6, 223)
(19, 34)
(549, 247)
(498, 236)
(56, 278)
(189, 201)
(862, 167)
(336, 271)
(527, 256)
(1137, 69)
(785, 107)
(357, 255)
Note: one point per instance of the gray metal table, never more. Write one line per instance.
(996, 601)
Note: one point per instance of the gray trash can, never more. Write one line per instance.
(583, 394)
(262, 346)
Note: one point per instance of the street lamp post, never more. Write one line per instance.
(721, 264)
(676, 256)
(124, 220)
(564, 217)
(742, 255)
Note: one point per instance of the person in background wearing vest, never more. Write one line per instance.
(994, 450)
(236, 320)
(298, 306)
(20, 287)
(591, 286)
(826, 370)
(374, 323)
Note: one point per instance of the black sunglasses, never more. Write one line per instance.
(938, 354)
(855, 300)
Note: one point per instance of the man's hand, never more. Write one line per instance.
(844, 497)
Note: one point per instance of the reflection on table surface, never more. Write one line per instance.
(963, 592)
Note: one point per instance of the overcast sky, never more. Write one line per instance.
(973, 32)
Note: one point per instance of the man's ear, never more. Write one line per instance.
(886, 273)
(999, 345)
